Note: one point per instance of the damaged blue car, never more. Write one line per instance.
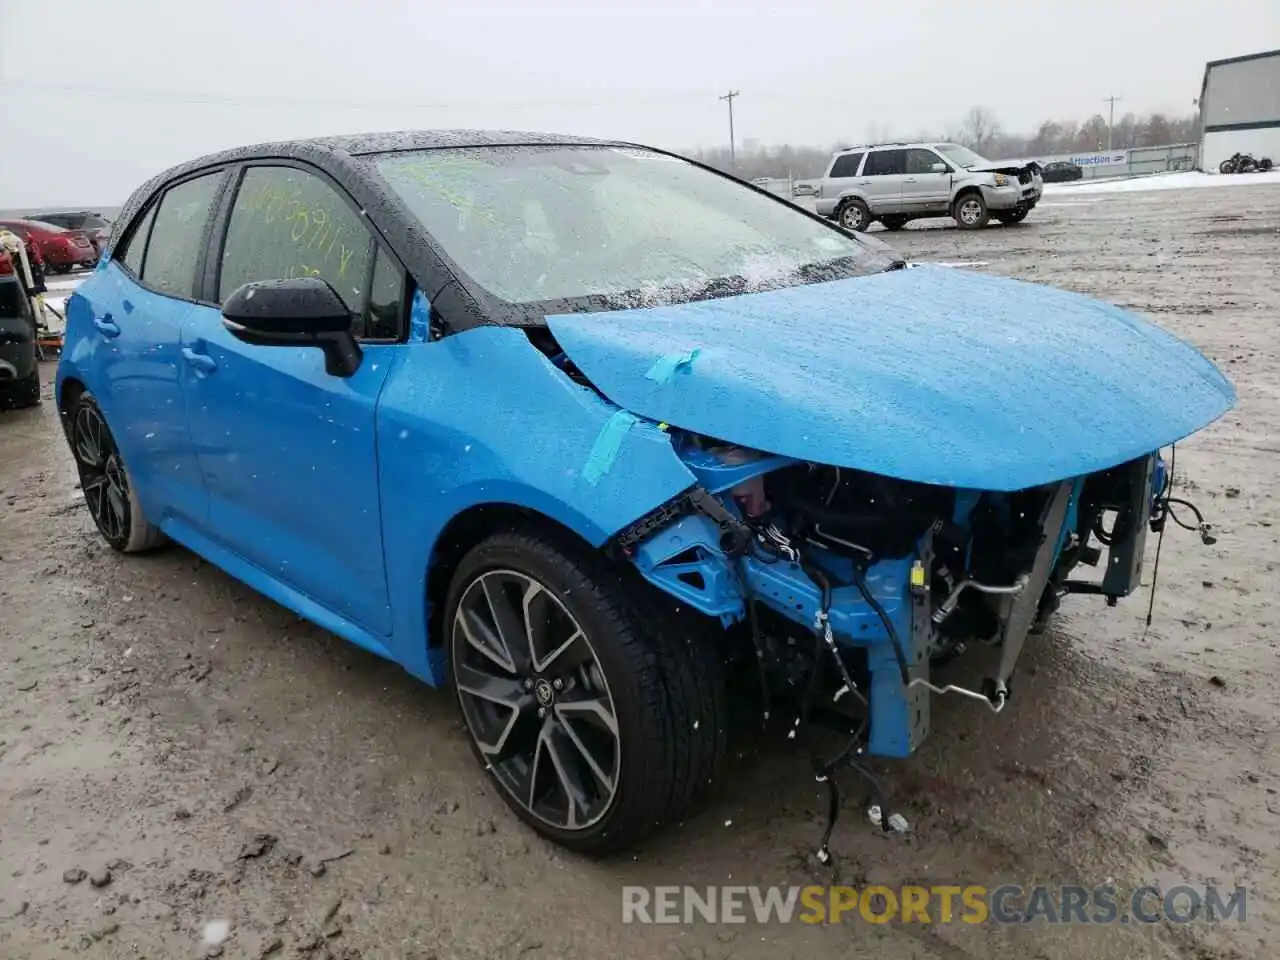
(586, 431)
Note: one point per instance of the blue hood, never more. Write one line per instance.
(929, 374)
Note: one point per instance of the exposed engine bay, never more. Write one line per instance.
(852, 587)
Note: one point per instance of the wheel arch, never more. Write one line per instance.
(68, 389)
(469, 527)
(848, 195)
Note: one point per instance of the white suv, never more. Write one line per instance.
(898, 182)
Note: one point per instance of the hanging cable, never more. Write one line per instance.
(1155, 567)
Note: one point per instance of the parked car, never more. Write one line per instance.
(804, 188)
(62, 250)
(1061, 171)
(576, 427)
(896, 183)
(95, 225)
(19, 370)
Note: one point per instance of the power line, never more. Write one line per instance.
(733, 156)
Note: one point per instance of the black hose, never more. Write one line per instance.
(1168, 504)
(859, 581)
(824, 584)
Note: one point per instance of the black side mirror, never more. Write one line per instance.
(302, 312)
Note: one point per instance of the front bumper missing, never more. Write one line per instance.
(886, 608)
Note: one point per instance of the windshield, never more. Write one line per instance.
(540, 223)
(961, 156)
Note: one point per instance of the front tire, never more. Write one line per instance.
(105, 481)
(1227, 166)
(970, 211)
(597, 719)
(854, 215)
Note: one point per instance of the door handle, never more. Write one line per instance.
(910, 180)
(106, 326)
(202, 362)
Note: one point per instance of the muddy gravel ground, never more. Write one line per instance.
(177, 751)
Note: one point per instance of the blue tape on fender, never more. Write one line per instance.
(605, 450)
(666, 367)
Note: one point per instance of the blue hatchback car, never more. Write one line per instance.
(586, 430)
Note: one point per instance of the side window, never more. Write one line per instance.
(921, 161)
(386, 300)
(177, 233)
(846, 166)
(136, 245)
(289, 223)
(885, 163)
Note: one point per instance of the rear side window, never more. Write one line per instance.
(847, 165)
(290, 223)
(884, 163)
(177, 233)
(136, 245)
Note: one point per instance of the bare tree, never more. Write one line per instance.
(1156, 131)
(1093, 133)
(1046, 137)
(979, 129)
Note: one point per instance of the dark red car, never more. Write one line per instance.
(95, 225)
(62, 250)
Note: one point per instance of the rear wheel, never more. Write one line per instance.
(854, 215)
(20, 394)
(970, 211)
(104, 479)
(597, 720)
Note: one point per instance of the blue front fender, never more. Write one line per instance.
(483, 417)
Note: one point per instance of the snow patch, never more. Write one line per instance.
(215, 931)
(1187, 180)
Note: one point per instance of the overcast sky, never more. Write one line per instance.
(97, 96)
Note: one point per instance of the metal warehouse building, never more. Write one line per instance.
(1240, 108)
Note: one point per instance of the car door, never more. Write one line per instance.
(881, 180)
(925, 190)
(287, 451)
(137, 305)
(841, 179)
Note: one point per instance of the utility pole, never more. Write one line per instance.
(1111, 120)
(733, 155)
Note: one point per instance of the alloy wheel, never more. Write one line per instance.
(535, 699)
(102, 475)
(970, 211)
(851, 216)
